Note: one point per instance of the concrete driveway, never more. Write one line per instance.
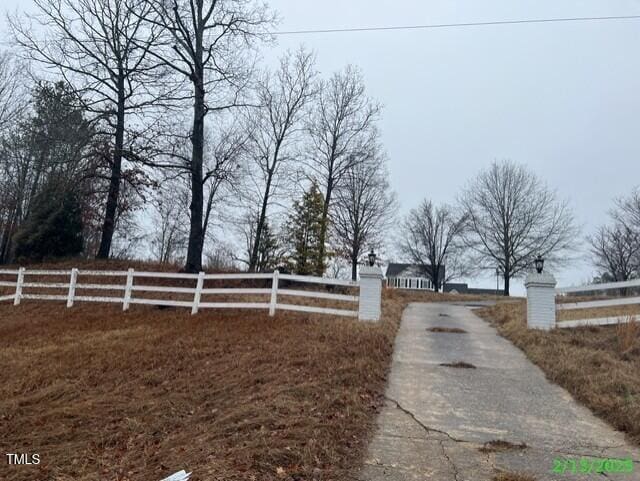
(437, 418)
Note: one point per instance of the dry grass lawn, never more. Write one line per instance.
(599, 366)
(104, 395)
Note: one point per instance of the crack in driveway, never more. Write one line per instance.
(573, 452)
(420, 423)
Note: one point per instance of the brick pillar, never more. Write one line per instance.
(370, 293)
(541, 301)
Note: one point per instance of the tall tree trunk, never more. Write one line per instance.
(506, 284)
(434, 271)
(108, 226)
(10, 228)
(196, 239)
(322, 251)
(355, 254)
(4, 244)
(253, 260)
(207, 211)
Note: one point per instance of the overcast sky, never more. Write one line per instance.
(562, 98)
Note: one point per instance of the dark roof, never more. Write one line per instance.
(393, 269)
(459, 287)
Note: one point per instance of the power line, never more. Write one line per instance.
(458, 25)
(445, 25)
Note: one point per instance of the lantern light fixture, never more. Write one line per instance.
(372, 258)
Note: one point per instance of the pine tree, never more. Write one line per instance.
(305, 233)
(53, 228)
(50, 145)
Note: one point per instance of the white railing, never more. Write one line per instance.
(595, 288)
(417, 283)
(130, 288)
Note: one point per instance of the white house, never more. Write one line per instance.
(410, 276)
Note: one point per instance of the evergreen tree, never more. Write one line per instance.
(269, 250)
(305, 233)
(48, 147)
(53, 228)
(58, 135)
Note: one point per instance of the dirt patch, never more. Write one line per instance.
(103, 394)
(458, 365)
(504, 476)
(451, 330)
(598, 365)
(499, 446)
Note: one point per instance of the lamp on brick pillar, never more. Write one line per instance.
(541, 298)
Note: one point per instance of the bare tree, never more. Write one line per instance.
(628, 210)
(101, 48)
(270, 250)
(205, 41)
(615, 247)
(273, 130)
(432, 239)
(13, 94)
(615, 250)
(221, 258)
(342, 128)
(169, 230)
(513, 217)
(364, 210)
(15, 162)
(223, 166)
(16, 173)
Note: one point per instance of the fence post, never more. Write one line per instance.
(127, 290)
(72, 287)
(370, 293)
(198, 293)
(19, 282)
(541, 301)
(274, 293)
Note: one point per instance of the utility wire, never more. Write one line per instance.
(458, 25)
(445, 25)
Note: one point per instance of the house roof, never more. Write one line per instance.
(395, 270)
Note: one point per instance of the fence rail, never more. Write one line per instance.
(130, 288)
(607, 286)
(591, 288)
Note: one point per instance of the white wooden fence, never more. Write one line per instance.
(131, 286)
(594, 289)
